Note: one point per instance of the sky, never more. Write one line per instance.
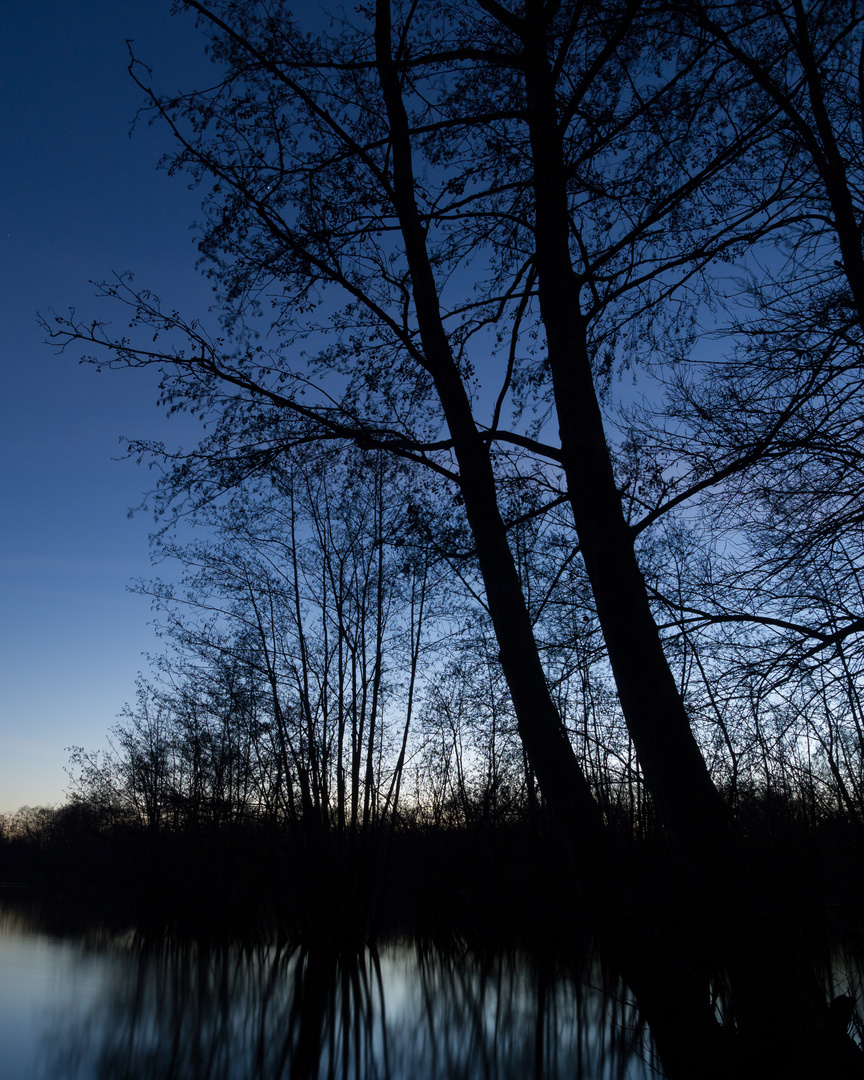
(79, 200)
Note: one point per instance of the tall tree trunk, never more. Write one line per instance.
(781, 1012)
(669, 756)
(672, 992)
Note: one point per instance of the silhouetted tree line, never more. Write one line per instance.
(328, 746)
(531, 467)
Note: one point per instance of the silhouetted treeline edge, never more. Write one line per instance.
(494, 884)
(255, 877)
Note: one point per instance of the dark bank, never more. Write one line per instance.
(484, 914)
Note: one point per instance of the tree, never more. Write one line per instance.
(581, 164)
(772, 434)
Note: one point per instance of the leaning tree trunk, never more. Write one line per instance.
(783, 1020)
(673, 992)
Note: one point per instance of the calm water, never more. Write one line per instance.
(122, 1007)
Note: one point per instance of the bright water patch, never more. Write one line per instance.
(124, 1007)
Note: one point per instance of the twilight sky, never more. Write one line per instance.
(79, 199)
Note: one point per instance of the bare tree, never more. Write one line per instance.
(442, 183)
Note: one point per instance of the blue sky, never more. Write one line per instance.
(79, 199)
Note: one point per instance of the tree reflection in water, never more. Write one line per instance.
(183, 1011)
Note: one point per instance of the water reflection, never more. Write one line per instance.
(180, 1010)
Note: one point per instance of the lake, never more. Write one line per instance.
(121, 1005)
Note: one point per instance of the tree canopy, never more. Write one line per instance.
(590, 267)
